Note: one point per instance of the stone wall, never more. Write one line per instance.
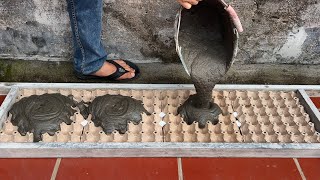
(279, 31)
(276, 31)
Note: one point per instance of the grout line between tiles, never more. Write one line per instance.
(55, 169)
(180, 171)
(299, 168)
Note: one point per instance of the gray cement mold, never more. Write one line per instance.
(42, 114)
(114, 112)
(276, 32)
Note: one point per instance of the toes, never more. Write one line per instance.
(124, 65)
(194, 2)
(127, 75)
(186, 5)
(108, 69)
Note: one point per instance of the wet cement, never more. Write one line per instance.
(191, 112)
(114, 112)
(204, 49)
(39, 114)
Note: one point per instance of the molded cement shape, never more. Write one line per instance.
(191, 113)
(41, 114)
(113, 112)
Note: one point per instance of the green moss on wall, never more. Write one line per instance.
(41, 71)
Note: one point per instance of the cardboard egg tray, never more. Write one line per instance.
(265, 117)
(257, 121)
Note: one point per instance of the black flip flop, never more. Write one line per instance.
(113, 77)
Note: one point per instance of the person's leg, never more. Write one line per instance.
(89, 53)
(86, 24)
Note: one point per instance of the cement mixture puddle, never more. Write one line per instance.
(42, 114)
(114, 112)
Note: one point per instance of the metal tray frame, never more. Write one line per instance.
(166, 149)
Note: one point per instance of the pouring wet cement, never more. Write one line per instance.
(205, 51)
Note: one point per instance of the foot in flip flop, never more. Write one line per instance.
(114, 70)
(109, 68)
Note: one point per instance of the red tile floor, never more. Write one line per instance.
(316, 101)
(160, 168)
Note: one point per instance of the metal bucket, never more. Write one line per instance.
(183, 26)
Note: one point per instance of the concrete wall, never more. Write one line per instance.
(276, 31)
(279, 31)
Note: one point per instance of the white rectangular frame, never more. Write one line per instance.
(166, 149)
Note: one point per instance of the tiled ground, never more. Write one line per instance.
(2, 97)
(310, 168)
(235, 168)
(316, 101)
(118, 168)
(160, 168)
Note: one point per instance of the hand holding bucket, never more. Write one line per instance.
(232, 13)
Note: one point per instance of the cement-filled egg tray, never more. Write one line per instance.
(265, 117)
(259, 119)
